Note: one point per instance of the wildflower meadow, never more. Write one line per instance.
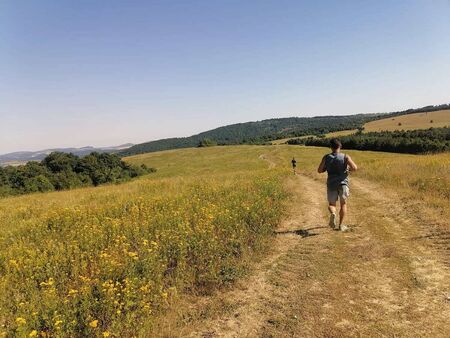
(104, 261)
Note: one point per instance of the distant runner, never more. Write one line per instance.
(294, 165)
(337, 166)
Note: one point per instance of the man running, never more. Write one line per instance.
(337, 166)
(294, 165)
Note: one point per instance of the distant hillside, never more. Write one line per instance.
(424, 120)
(259, 132)
(265, 131)
(21, 157)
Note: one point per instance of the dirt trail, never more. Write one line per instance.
(271, 163)
(388, 277)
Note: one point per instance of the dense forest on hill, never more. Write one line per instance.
(61, 171)
(262, 132)
(431, 140)
(259, 132)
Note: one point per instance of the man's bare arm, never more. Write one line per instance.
(352, 165)
(321, 168)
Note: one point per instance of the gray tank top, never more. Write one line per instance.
(336, 166)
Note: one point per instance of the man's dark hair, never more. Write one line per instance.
(335, 144)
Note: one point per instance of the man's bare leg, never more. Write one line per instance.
(332, 210)
(342, 212)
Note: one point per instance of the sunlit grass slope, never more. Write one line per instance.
(435, 119)
(104, 261)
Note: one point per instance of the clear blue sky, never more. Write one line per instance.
(84, 72)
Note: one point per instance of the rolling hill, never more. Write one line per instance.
(259, 132)
(435, 119)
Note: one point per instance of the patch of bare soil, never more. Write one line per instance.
(271, 163)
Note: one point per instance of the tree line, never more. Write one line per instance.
(433, 140)
(61, 171)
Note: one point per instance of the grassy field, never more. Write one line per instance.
(102, 261)
(411, 121)
(105, 261)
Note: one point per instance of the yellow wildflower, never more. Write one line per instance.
(50, 282)
(94, 323)
(106, 334)
(20, 321)
(72, 292)
(14, 263)
(33, 333)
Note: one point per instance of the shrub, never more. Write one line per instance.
(61, 171)
(206, 142)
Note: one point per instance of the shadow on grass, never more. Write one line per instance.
(301, 232)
